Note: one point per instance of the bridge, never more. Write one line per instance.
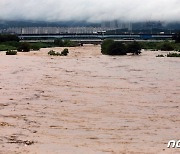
(96, 37)
(90, 41)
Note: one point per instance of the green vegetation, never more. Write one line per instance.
(4, 47)
(59, 42)
(167, 46)
(8, 42)
(24, 47)
(170, 55)
(68, 43)
(117, 48)
(11, 52)
(35, 46)
(39, 45)
(53, 53)
(8, 45)
(12, 45)
(173, 55)
(105, 46)
(134, 48)
(150, 45)
(160, 56)
(63, 53)
(65, 43)
(176, 37)
(8, 37)
(110, 47)
(164, 46)
(11, 42)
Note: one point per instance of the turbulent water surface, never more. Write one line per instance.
(88, 103)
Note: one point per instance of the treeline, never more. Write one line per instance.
(65, 43)
(164, 46)
(176, 37)
(11, 42)
(8, 37)
(110, 47)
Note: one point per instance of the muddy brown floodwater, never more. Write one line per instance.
(88, 103)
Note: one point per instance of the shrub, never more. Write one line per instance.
(160, 56)
(64, 52)
(110, 47)
(80, 44)
(12, 43)
(35, 47)
(134, 48)
(52, 53)
(8, 37)
(117, 48)
(11, 52)
(59, 42)
(173, 55)
(149, 45)
(68, 43)
(105, 46)
(176, 37)
(167, 46)
(4, 47)
(24, 47)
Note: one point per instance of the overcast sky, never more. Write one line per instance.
(90, 10)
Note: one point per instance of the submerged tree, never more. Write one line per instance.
(24, 47)
(117, 48)
(59, 42)
(167, 46)
(176, 37)
(134, 48)
(110, 47)
(105, 46)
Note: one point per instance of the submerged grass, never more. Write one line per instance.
(4, 46)
(164, 46)
(173, 55)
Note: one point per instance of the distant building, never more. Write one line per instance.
(55, 30)
(112, 25)
(152, 25)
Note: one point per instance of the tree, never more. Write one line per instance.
(105, 46)
(68, 43)
(59, 42)
(167, 46)
(117, 48)
(8, 37)
(54, 53)
(24, 47)
(110, 47)
(11, 52)
(134, 48)
(65, 52)
(176, 37)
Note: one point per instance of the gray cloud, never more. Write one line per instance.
(90, 10)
